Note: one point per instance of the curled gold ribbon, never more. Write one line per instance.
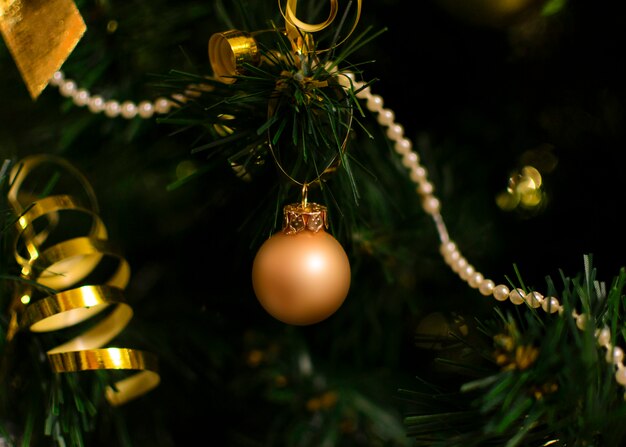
(86, 274)
(297, 30)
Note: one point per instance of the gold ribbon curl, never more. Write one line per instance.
(66, 265)
(297, 30)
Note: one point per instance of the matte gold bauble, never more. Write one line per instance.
(301, 275)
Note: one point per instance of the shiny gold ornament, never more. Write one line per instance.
(229, 51)
(301, 275)
(40, 35)
(84, 276)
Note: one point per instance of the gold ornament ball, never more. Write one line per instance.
(301, 278)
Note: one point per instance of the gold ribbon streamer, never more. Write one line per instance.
(68, 266)
(40, 35)
(297, 30)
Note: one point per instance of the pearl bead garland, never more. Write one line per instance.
(111, 108)
(450, 252)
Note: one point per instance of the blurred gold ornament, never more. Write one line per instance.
(301, 275)
(511, 357)
(524, 191)
(82, 277)
(40, 35)
(324, 402)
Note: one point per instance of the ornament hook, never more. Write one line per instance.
(305, 191)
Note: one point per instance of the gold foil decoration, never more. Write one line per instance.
(82, 274)
(40, 35)
(229, 51)
(524, 190)
(299, 31)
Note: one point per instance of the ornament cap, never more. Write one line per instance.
(304, 216)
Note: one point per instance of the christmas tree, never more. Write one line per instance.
(311, 223)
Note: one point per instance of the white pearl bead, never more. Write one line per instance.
(375, 103)
(459, 264)
(358, 85)
(68, 88)
(448, 247)
(395, 132)
(409, 159)
(486, 287)
(364, 93)
(112, 108)
(425, 188)
(534, 299)
(418, 174)
(81, 97)
(128, 109)
(453, 257)
(501, 292)
(57, 78)
(517, 296)
(145, 109)
(475, 280)
(162, 105)
(344, 81)
(615, 355)
(403, 146)
(550, 304)
(96, 104)
(431, 205)
(604, 336)
(386, 117)
(466, 272)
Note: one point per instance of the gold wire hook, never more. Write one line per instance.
(305, 191)
(332, 164)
